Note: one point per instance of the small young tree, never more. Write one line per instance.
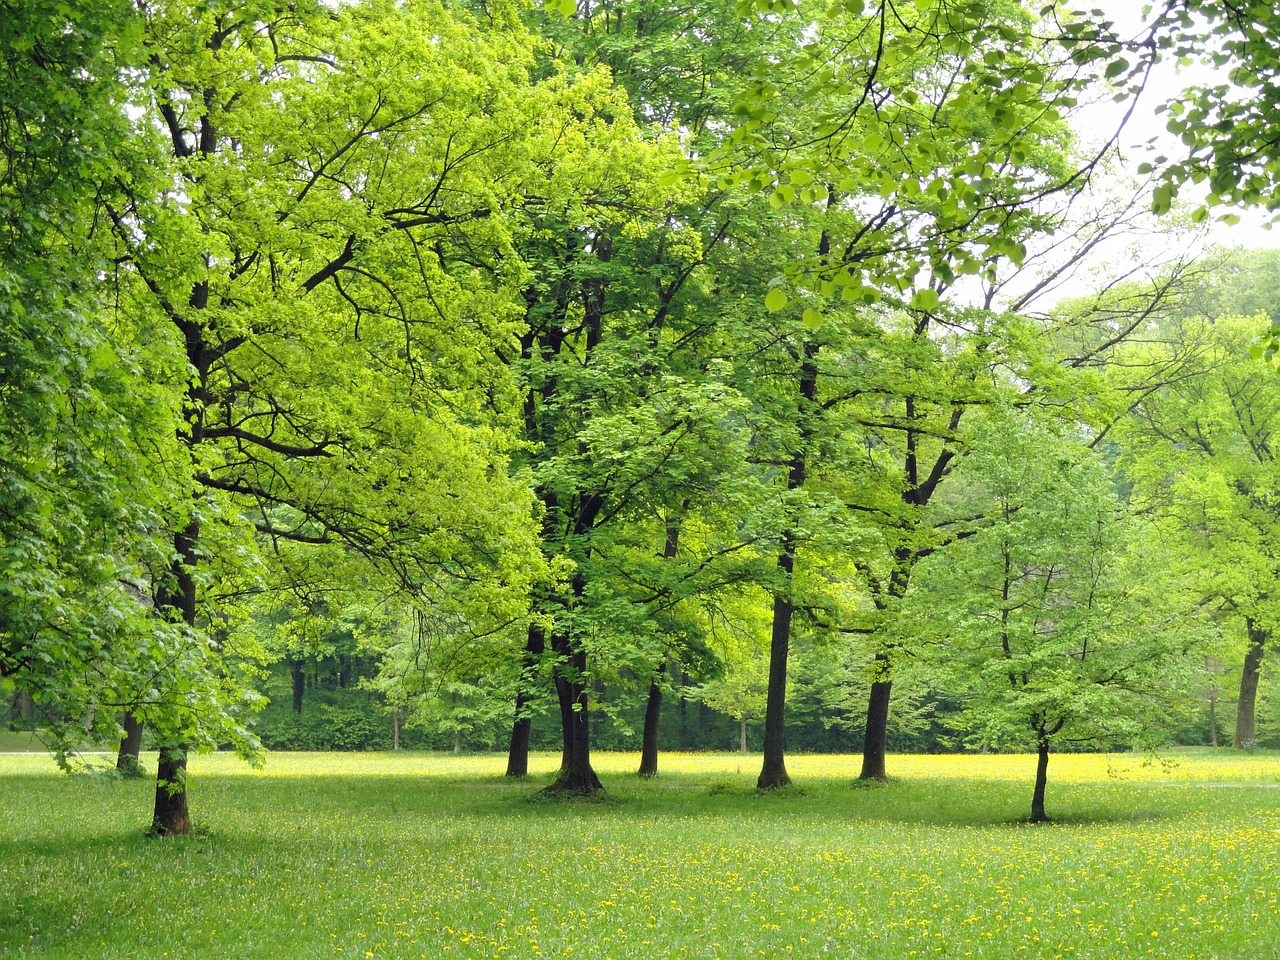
(1055, 620)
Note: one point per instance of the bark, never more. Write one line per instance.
(877, 729)
(170, 818)
(299, 682)
(457, 741)
(742, 735)
(177, 597)
(518, 751)
(395, 729)
(130, 752)
(773, 773)
(576, 774)
(1246, 735)
(652, 714)
(653, 709)
(876, 732)
(1042, 778)
(1213, 718)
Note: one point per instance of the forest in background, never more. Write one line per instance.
(488, 375)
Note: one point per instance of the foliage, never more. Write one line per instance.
(1055, 618)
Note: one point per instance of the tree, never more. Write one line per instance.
(1055, 618)
(81, 514)
(298, 267)
(1199, 455)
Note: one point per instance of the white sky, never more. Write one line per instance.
(1146, 246)
(1165, 83)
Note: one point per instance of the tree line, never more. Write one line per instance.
(539, 352)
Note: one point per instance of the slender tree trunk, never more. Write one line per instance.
(742, 734)
(1042, 778)
(395, 729)
(652, 714)
(518, 751)
(1213, 718)
(457, 741)
(653, 709)
(299, 677)
(875, 736)
(877, 729)
(1246, 735)
(130, 753)
(177, 596)
(773, 773)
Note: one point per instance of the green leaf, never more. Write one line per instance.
(925, 299)
(1116, 67)
(812, 318)
(775, 299)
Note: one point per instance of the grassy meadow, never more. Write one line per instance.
(415, 855)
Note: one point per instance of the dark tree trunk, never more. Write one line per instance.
(1246, 735)
(652, 714)
(518, 751)
(130, 753)
(1042, 779)
(653, 709)
(576, 774)
(177, 597)
(299, 678)
(170, 818)
(877, 730)
(774, 771)
(344, 671)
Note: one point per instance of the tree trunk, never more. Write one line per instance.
(653, 709)
(1213, 718)
(1246, 735)
(395, 729)
(773, 773)
(1042, 778)
(518, 751)
(457, 741)
(877, 729)
(742, 734)
(130, 752)
(299, 682)
(170, 818)
(26, 708)
(652, 714)
(576, 774)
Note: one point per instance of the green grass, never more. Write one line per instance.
(426, 855)
(21, 741)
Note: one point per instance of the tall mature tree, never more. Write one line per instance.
(1200, 455)
(80, 512)
(296, 274)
